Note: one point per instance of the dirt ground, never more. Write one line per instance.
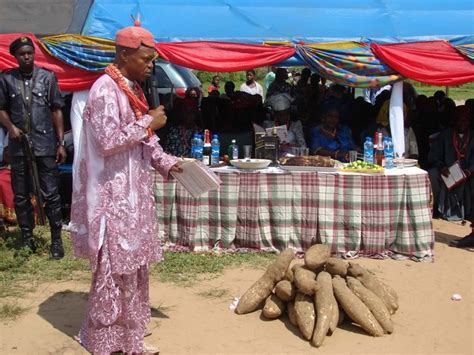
(197, 319)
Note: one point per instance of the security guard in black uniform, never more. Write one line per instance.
(30, 103)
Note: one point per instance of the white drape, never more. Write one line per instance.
(396, 119)
(79, 99)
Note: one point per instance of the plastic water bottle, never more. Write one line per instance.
(199, 147)
(193, 146)
(234, 150)
(368, 150)
(215, 150)
(388, 152)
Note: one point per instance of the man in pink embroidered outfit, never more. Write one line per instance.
(113, 219)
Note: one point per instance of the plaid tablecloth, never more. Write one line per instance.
(356, 214)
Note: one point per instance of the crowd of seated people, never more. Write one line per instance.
(331, 121)
(186, 122)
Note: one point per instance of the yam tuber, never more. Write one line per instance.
(254, 297)
(316, 256)
(335, 314)
(305, 314)
(290, 306)
(373, 284)
(305, 280)
(355, 308)
(373, 302)
(274, 307)
(285, 290)
(289, 274)
(336, 266)
(323, 301)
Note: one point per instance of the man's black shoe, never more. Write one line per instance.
(466, 242)
(30, 244)
(28, 240)
(56, 249)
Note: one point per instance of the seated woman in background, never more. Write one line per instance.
(178, 139)
(281, 115)
(331, 139)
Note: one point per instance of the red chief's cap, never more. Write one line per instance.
(133, 37)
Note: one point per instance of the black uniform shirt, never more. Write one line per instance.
(30, 101)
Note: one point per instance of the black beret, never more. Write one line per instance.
(20, 42)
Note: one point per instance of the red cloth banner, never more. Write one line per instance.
(222, 56)
(433, 62)
(69, 78)
(7, 207)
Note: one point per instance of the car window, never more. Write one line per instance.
(162, 78)
(189, 78)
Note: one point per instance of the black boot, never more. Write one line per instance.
(56, 249)
(28, 240)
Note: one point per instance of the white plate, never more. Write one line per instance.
(405, 162)
(308, 168)
(250, 163)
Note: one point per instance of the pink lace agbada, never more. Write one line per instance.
(113, 218)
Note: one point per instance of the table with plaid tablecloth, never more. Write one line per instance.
(356, 214)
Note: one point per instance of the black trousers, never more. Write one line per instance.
(22, 185)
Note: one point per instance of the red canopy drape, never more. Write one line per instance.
(70, 78)
(222, 56)
(433, 62)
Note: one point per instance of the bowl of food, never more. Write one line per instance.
(250, 163)
(363, 167)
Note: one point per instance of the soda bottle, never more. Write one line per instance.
(368, 150)
(206, 153)
(215, 150)
(388, 152)
(379, 156)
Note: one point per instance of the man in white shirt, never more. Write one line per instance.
(251, 86)
(371, 94)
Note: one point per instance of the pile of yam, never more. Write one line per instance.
(319, 294)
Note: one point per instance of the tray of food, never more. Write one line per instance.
(309, 163)
(363, 167)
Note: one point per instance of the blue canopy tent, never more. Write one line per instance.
(231, 35)
(300, 21)
(257, 21)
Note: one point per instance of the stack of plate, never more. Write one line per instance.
(405, 163)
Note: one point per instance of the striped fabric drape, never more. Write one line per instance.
(79, 60)
(347, 63)
(87, 53)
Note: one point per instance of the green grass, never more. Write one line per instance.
(462, 92)
(21, 273)
(188, 268)
(10, 311)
